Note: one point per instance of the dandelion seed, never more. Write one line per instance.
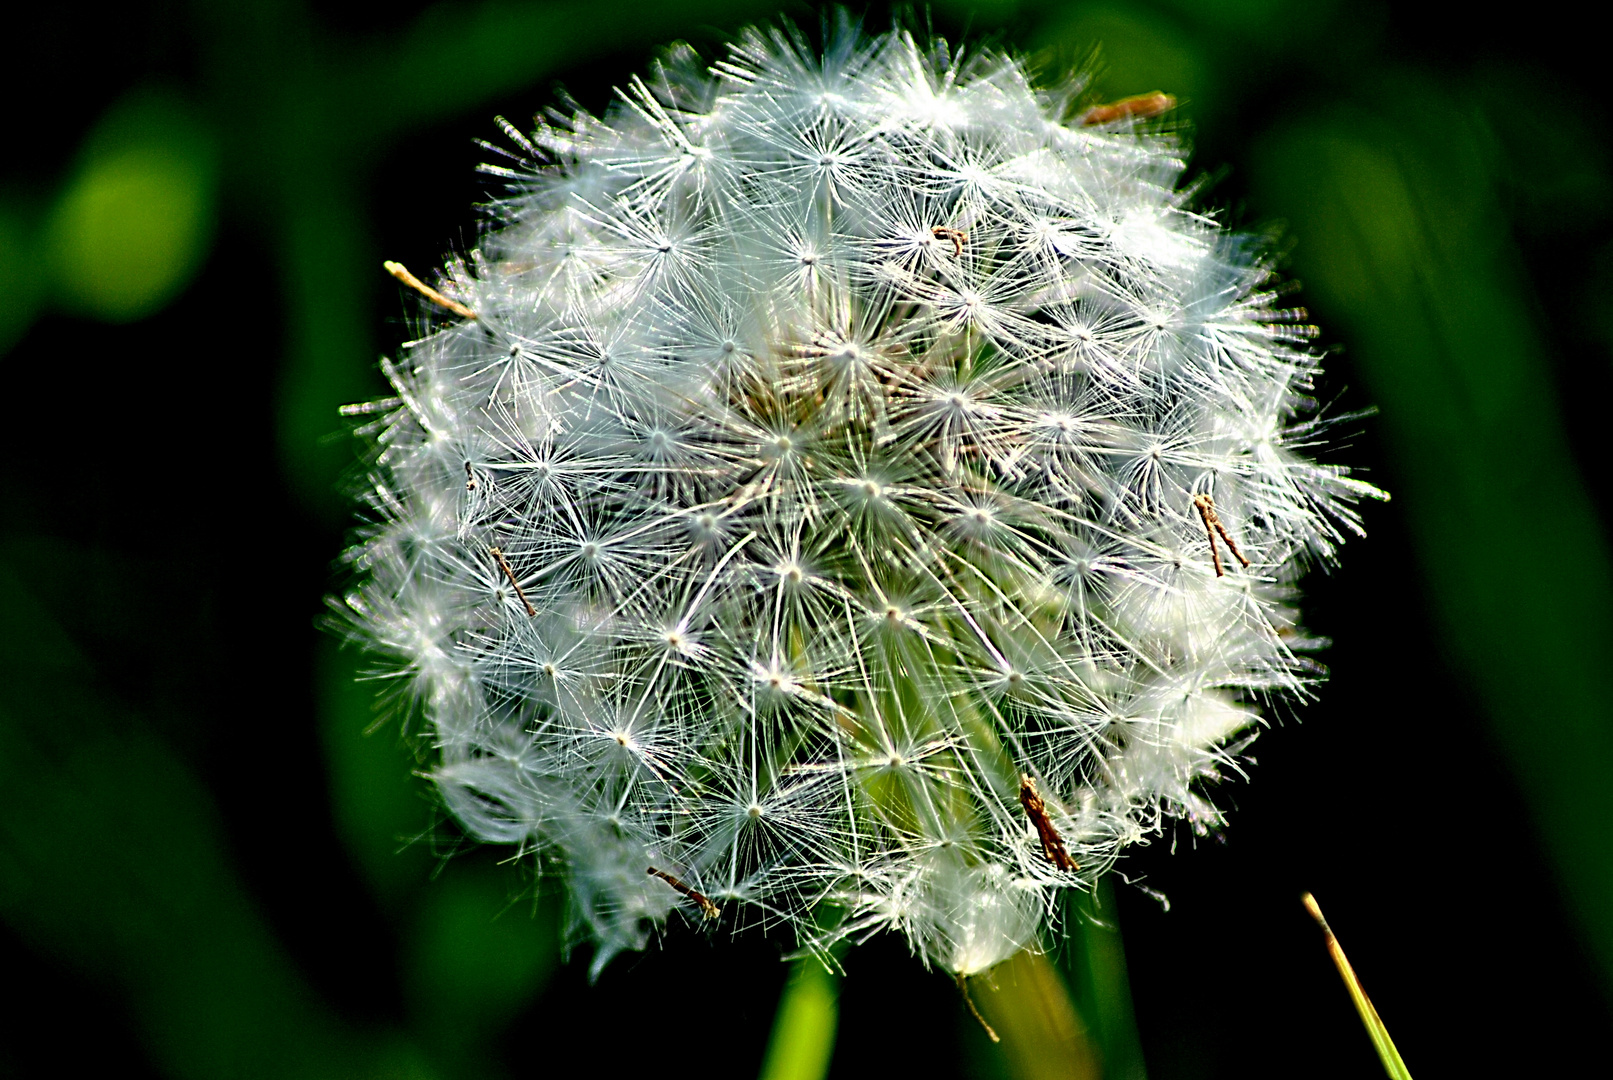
(1213, 528)
(399, 271)
(835, 525)
(963, 988)
(514, 583)
(1138, 107)
(1048, 835)
(957, 236)
(700, 900)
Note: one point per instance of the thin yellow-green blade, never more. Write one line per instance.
(1392, 1062)
(804, 1030)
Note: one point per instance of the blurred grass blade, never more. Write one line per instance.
(1094, 963)
(112, 859)
(1043, 1035)
(134, 224)
(1405, 250)
(1392, 1063)
(804, 1028)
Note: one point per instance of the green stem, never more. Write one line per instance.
(804, 1027)
(1094, 960)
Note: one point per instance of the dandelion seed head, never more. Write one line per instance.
(821, 460)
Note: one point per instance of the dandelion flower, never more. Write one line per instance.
(843, 491)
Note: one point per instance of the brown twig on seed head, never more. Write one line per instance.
(1212, 528)
(1139, 107)
(516, 585)
(957, 236)
(399, 271)
(700, 899)
(1052, 843)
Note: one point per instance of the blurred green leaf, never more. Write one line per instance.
(458, 55)
(475, 959)
(475, 950)
(1138, 50)
(135, 221)
(1404, 246)
(1093, 959)
(1270, 23)
(110, 858)
(1043, 1036)
(1554, 177)
(803, 1038)
(381, 806)
(1596, 299)
(21, 278)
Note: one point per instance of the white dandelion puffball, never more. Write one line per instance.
(844, 491)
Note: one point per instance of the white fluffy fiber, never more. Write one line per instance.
(841, 418)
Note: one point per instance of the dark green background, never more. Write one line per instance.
(207, 869)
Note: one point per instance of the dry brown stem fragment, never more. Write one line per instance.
(700, 899)
(1137, 107)
(1213, 528)
(516, 585)
(401, 272)
(1052, 843)
(957, 236)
